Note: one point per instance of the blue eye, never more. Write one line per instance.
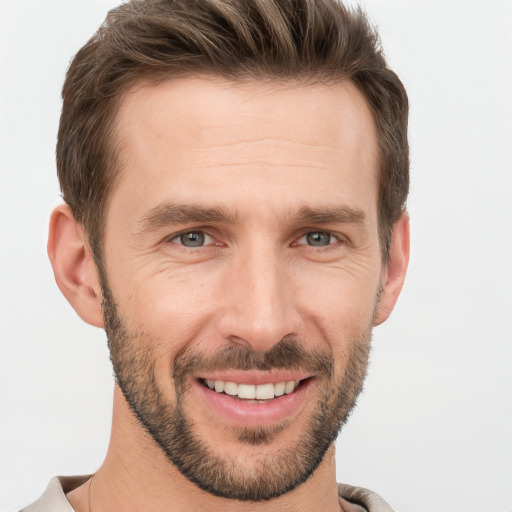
(317, 239)
(192, 239)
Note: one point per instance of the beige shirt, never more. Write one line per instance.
(352, 499)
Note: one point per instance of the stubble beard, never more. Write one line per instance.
(176, 434)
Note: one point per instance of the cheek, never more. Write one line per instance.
(159, 301)
(179, 306)
(339, 303)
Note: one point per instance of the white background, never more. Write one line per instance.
(433, 429)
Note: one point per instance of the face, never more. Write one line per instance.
(241, 274)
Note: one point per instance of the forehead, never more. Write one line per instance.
(197, 137)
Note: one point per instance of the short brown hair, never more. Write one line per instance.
(312, 40)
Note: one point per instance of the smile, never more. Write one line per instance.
(248, 399)
(262, 392)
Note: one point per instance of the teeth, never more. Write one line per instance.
(252, 392)
(231, 388)
(289, 387)
(265, 391)
(279, 388)
(247, 391)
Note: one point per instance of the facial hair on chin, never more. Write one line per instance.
(176, 434)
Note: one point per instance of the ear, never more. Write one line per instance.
(73, 265)
(393, 274)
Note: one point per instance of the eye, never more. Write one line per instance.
(192, 239)
(317, 239)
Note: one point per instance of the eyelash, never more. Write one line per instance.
(338, 238)
(202, 232)
(319, 247)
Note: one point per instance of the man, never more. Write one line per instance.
(234, 176)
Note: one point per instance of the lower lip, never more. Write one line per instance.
(247, 414)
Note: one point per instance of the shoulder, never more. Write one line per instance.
(359, 499)
(54, 498)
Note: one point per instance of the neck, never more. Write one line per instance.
(144, 479)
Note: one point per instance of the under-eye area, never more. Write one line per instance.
(258, 393)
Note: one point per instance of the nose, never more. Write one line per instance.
(259, 306)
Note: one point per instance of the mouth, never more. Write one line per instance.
(252, 399)
(254, 393)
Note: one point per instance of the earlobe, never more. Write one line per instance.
(73, 265)
(393, 274)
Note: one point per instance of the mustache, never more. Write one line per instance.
(289, 353)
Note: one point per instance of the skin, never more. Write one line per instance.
(263, 152)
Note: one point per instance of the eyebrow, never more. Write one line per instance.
(166, 214)
(337, 215)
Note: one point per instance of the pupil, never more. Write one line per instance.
(192, 239)
(318, 239)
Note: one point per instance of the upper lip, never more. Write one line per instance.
(255, 377)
